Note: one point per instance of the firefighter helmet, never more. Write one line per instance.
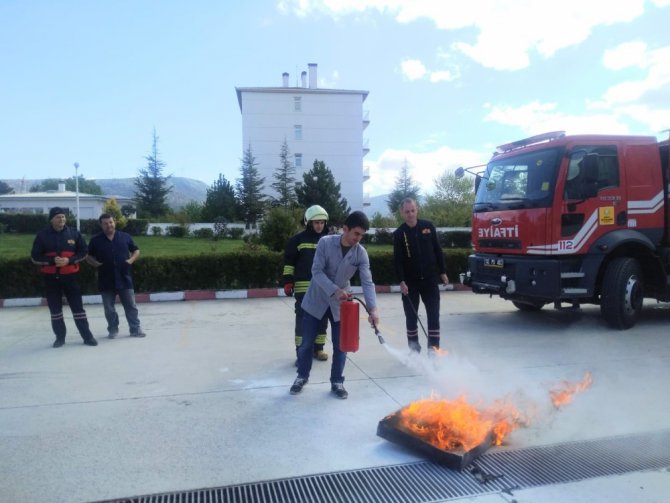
(315, 212)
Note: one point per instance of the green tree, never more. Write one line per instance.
(5, 188)
(284, 183)
(277, 227)
(111, 206)
(220, 201)
(404, 187)
(152, 187)
(85, 186)
(193, 211)
(249, 190)
(379, 221)
(451, 203)
(318, 187)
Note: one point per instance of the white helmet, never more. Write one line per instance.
(315, 212)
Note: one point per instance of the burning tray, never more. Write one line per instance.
(390, 429)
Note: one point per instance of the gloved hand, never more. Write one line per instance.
(288, 289)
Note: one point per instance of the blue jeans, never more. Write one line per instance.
(310, 326)
(127, 297)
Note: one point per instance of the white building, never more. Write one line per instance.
(90, 205)
(317, 124)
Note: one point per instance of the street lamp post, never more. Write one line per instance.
(76, 184)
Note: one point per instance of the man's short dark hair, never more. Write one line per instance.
(104, 216)
(357, 219)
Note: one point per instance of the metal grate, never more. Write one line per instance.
(424, 482)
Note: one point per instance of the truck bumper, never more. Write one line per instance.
(514, 277)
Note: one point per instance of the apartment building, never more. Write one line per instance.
(317, 124)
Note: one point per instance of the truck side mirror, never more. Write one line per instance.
(459, 173)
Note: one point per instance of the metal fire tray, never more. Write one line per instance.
(456, 460)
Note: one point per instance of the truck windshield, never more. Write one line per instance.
(526, 180)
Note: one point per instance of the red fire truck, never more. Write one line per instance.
(573, 220)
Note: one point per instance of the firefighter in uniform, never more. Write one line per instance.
(298, 258)
(419, 265)
(58, 249)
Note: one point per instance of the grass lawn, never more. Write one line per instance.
(16, 246)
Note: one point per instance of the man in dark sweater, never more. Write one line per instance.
(419, 265)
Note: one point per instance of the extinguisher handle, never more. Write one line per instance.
(374, 325)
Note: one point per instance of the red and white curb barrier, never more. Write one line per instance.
(251, 293)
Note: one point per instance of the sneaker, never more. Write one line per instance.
(138, 334)
(113, 333)
(297, 385)
(91, 341)
(338, 389)
(58, 343)
(321, 355)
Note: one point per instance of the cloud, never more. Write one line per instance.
(412, 69)
(424, 167)
(536, 117)
(508, 32)
(625, 55)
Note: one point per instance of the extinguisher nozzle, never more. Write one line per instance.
(381, 339)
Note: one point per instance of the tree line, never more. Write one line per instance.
(449, 205)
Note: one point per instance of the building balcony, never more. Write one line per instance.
(366, 146)
(366, 173)
(366, 199)
(366, 119)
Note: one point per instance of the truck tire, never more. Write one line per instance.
(622, 293)
(528, 306)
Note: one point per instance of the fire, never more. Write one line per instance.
(562, 394)
(458, 425)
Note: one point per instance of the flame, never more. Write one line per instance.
(458, 425)
(562, 394)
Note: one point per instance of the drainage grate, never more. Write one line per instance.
(424, 482)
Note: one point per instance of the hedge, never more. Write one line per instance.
(230, 271)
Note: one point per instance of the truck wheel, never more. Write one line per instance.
(528, 306)
(622, 293)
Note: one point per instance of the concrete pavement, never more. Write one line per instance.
(203, 400)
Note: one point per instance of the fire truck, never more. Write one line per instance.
(572, 220)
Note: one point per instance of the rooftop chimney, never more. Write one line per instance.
(303, 77)
(284, 77)
(61, 186)
(312, 75)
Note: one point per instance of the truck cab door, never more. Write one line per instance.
(591, 204)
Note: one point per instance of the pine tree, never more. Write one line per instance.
(319, 187)
(249, 190)
(5, 188)
(284, 183)
(152, 187)
(220, 201)
(404, 187)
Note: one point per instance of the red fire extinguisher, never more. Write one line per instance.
(349, 323)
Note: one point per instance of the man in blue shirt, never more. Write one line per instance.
(112, 253)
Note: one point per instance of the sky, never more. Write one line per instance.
(89, 81)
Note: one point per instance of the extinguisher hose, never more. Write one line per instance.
(377, 333)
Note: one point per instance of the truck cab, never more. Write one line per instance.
(573, 219)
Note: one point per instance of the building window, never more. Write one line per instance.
(297, 103)
(298, 161)
(297, 132)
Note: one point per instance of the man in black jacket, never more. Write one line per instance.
(58, 249)
(419, 265)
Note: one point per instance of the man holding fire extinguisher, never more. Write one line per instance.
(337, 259)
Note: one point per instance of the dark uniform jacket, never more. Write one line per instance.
(50, 243)
(114, 273)
(298, 258)
(417, 254)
